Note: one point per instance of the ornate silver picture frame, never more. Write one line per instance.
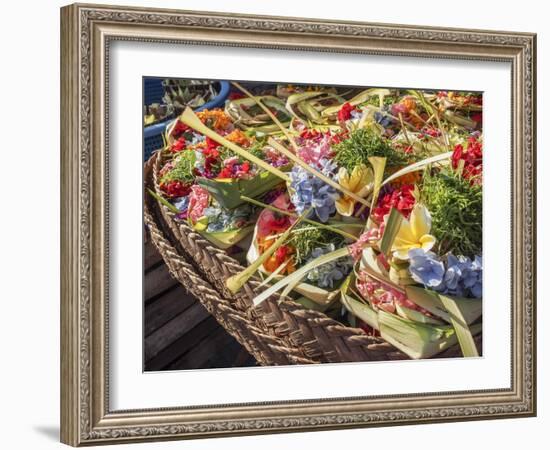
(87, 32)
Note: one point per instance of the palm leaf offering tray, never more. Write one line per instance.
(339, 224)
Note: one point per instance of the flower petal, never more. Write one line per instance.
(427, 242)
(405, 234)
(421, 220)
(345, 206)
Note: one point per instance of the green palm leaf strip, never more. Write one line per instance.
(378, 164)
(390, 230)
(362, 97)
(268, 112)
(470, 308)
(300, 273)
(417, 166)
(273, 274)
(163, 201)
(463, 333)
(432, 111)
(418, 339)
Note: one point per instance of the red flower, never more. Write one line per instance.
(235, 95)
(345, 112)
(178, 145)
(179, 129)
(282, 252)
(430, 131)
(477, 117)
(226, 172)
(471, 158)
(270, 222)
(174, 189)
(309, 134)
(211, 144)
(402, 199)
(210, 166)
(211, 153)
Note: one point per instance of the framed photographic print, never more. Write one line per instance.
(278, 224)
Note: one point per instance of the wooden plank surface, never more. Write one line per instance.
(178, 331)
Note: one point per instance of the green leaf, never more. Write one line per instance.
(415, 334)
(470, 308)
(228, 192)
(390, 230)
(163, 201)
(362, 97)
(417, 340)
(226, 239)
(378, 164)
(300, 273)
(416, 316)
(311, 304)
(417, 166)
(463, 333)
(362, 310)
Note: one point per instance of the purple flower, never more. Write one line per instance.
(328, 274)
(463, 277)
(383, 119)
(182, 203)
(425, 268)
(308, 191)
(459, 277)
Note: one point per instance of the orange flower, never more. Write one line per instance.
(284, 254)
(409, 103)
(239, 138)
(215, 118)
(408, 178)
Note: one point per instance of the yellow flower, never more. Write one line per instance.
(360, 182)
(414, 233)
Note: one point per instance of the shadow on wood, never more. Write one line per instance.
(178, 331)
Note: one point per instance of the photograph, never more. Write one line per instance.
(360, 205)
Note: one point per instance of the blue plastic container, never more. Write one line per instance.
(152, 135)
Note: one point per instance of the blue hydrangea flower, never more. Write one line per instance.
(383, 119)
(461, 277)
(453, 281)
(308, 191)
(425, 268)
(474, 277)
(182, 203)
(221, 219)
(327, 275)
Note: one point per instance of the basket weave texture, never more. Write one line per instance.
(276, 332)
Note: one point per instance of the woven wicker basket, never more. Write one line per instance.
(278, 331)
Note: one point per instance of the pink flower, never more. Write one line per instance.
(270, 222)
(198, 201)
(315, 147)
(356, 249)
